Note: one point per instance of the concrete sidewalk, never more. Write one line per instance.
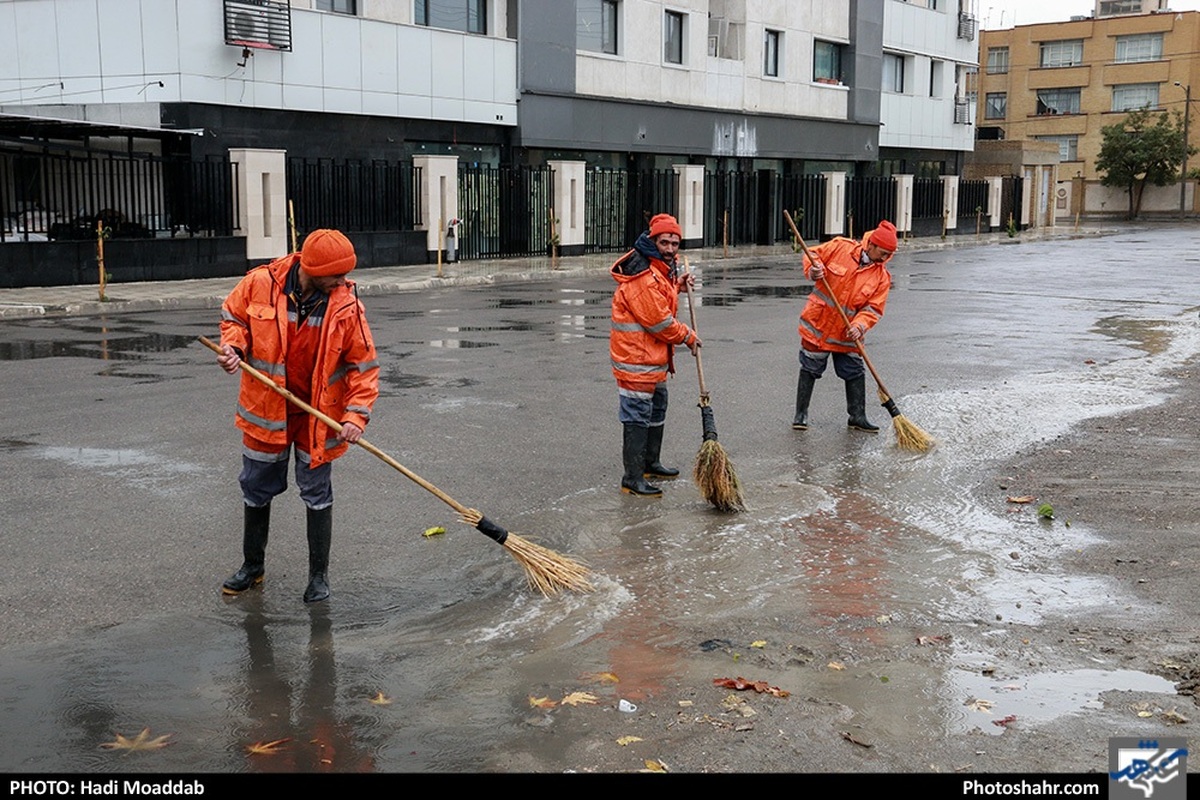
(84, 300)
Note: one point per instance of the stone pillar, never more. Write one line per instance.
(950, 201)
(690, 212)
(904, 205)
(569, 200)
(262, 202)
(439, 199)
(835, 204)
(995, 200)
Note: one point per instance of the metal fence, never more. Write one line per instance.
(732, 210)
(504, 211)
(868, 200)
(619, 203)
(54, 196)
(1010, 200)
(972, 202)
(929, 196)
(803, 196)
(354, 195)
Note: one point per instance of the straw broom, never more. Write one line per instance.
(908, 435)
(713, 471)
(545, 570)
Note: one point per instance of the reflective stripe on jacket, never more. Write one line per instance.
(345, 383)
(862, 293)
(644, 330)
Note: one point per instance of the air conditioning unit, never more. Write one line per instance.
(258, 24)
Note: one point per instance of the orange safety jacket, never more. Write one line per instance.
(862, 292)
(644, 331)
(345, 380)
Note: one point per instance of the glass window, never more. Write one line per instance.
(771, 53)
(1135, 95)
(996, 105)
(1139, 47)
(997, 60)
(893, 73)
(469, 16)
(673, 37)
(1067, 53)
(596, 25)
(1057, 101)
(1068, 146)
(827, 62)
(340, 6)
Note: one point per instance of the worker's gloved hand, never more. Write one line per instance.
(816, 270)
(856, 331)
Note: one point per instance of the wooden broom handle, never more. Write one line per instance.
(862, 350)
(692, 314)
(337, 426)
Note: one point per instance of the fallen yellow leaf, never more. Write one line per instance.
(576, 698)
(1145, 713)
(624, 740)
(434, 531)
(140, 742)
(381, 700)
(266, 748)
(1025, 498)
(654, 765)
(759, 643)
(602, 677)
(836, 665)
(541, 702)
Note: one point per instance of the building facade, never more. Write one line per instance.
(1063, 82)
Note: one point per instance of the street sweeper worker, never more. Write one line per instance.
(642, 343)
(298, 320)
(857, 274)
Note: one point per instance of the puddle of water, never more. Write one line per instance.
(1038, 698)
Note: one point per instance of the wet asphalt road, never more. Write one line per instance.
(121, 512)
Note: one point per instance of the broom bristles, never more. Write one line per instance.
(909, 436)
(716, 479)
(545, 570)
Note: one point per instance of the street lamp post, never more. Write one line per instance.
(1187, 113)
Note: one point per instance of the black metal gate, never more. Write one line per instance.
(504, 211)
(928, 206)
(973, 212)
(354, 195)
(734, 210)
(803, 196)
(868, 200)
(1010, 200)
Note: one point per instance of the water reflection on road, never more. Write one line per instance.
(427, 660)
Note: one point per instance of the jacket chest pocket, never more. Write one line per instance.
(261, 312)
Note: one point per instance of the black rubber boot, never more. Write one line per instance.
(654, 469)
(320, 536)
(257, 521)
(804, 387)
(856, 405)
(634, 456)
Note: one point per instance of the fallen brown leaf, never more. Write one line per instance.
(654, 765)
(1025, 498)
(140, 742)
(266, 748)
(839, 666)
(924, 640)
(741, 684)
(541, 702)
(380, 699)
(1004, 723)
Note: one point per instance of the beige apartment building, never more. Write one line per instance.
(1062, 82)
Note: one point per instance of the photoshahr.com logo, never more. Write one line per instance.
(1140, 768)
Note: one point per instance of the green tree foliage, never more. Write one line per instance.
(1144, 148)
